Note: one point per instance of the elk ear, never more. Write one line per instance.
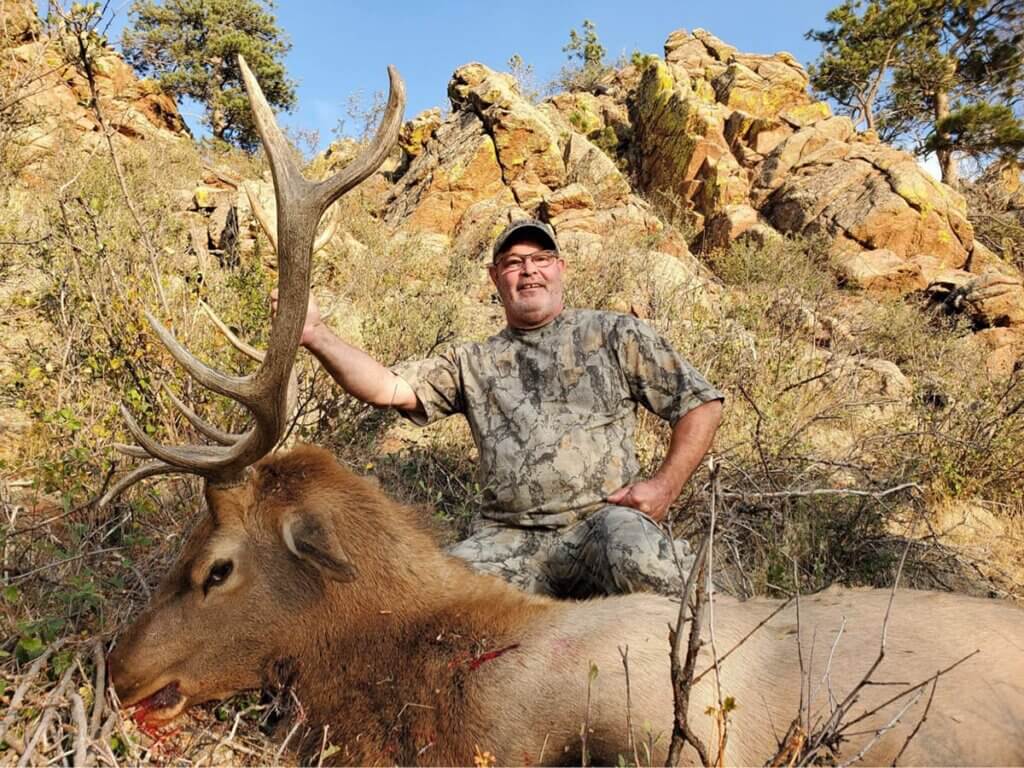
(308, 538)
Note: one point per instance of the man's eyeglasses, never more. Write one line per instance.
(539, 259)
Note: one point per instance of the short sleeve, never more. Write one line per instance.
(437, 382)
(657, 376)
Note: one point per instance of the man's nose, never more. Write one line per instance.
(529, 267)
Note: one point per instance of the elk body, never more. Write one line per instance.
(306, 577)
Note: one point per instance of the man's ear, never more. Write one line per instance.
(308, 538)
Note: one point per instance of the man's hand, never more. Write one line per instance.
(691, 437)
(314, 322)
(652, 497)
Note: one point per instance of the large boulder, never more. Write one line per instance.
(701, 54)
(20, 22)
(679, 144)
(457, 168)
(994, 300)
(54, 98)
(879, 270)
(863, 195)
(587, 165)
(762, 86)
(526, 142)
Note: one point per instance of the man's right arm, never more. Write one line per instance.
(354, 370)
(358, 373)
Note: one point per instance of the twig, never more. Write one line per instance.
(85, 63)
(53, 518)
(804, 724)
(910, 690)
(234, 729)
(630, 737)
(284, 744)
(924, 716)
(323, 747)
(832, 727)
(821, 492)
(19, 695)
(826, 678)
(81, 729)
(99, 688)
(50, 709)
(881, 731)
(757, 434)
(746, 637)
(25, 242)
(22, 576)
(543, 746)
(585, 728)
(722, 715)
(104, 740)
(682, 674)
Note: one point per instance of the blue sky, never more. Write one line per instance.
(340, 48)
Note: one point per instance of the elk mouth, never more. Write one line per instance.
(160, 707)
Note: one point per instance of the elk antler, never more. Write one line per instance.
(300, 205)
(270, 230)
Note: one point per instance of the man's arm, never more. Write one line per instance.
(354, 370)
(691, 438)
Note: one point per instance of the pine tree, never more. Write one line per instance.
(946, 75)
(586, 59)
(192, 47)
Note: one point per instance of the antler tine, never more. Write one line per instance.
(133, 451)
(236, 387)
(246, 349)
(149, 469)
(201, 459)
(226, 438)
(369, 159)
(197, 421)
(271, 232)
(282, 166)
(261, 216)
(326, 236)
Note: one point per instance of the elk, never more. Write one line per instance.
(306, 577)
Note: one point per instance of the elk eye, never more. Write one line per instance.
(218, 574)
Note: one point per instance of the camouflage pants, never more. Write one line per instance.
(615, 550)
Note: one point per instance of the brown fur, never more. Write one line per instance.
(407, 656)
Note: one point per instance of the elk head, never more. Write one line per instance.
(201, 636)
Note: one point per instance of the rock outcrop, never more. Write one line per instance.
(54, 98)
(732, 143)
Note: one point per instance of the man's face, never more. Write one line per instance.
(531, 295)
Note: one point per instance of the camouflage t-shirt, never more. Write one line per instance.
(553, 410)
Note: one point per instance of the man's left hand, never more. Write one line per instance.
(652, 497)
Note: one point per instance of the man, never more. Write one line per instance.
(551, 401)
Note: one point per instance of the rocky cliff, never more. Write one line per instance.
(734, 144)
(54, 100)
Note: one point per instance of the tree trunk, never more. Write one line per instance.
(947, 160)
(218, 122)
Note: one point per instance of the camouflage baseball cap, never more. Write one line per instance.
(524, 229)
